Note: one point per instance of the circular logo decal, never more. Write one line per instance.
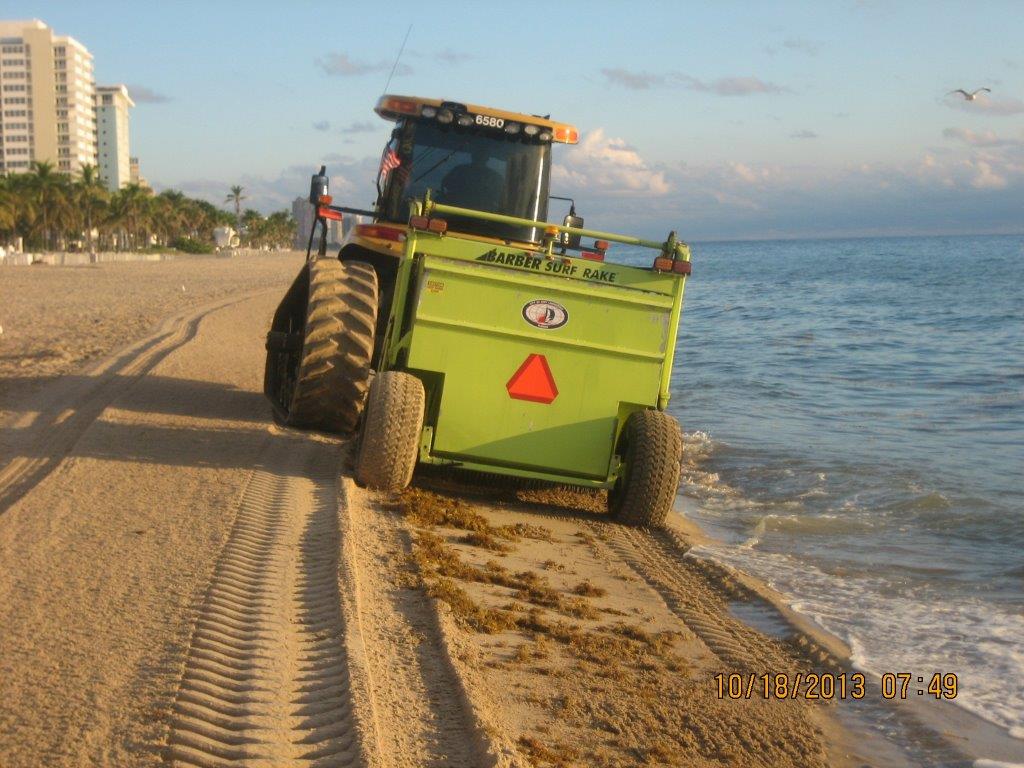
(545, 314)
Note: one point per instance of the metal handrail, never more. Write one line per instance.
(672, 247)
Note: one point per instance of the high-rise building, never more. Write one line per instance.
(46, 99)
(134, 176)
(305, 216)
(113, 156)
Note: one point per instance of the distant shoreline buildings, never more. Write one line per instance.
(51, 109)
(112, 105)
(305, 217)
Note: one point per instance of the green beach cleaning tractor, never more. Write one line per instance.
(457, 327)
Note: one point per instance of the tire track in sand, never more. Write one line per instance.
(267, 680)
(656, 559)
(659, 558)
(57, 417)
(417, 687)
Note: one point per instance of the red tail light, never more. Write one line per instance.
(438, 226)
(592, 255)
(665, 264)
(380, 232)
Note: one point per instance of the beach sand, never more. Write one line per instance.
(186, 582)
(57, 319)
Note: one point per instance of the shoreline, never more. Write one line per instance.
(861, 460)
(979, 739)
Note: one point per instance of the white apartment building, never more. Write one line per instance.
(113, 155)
(46, 99)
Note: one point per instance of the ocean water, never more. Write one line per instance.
(854, 419)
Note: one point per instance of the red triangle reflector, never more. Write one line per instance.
(533, 381)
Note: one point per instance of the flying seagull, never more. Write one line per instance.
(969, 96)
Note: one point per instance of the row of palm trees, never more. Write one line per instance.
(54, 211)
(274, 231)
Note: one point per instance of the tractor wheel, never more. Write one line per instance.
(646, 488)
(320, 344)
(390, 439)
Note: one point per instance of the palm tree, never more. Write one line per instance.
(252, 222)
(209, 216)
(251, 217)
(46, 191)
(91, 198)
(235, 196)
(43, 207)
(281, 229)
(276, 230)
(20, 205)
(172, 213)
(8, 209)
(130, 210)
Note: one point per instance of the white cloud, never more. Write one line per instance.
(338, 64)
(732, 200)
(986, 178)
(810, 47)
(635, 81)
(351, 184)
(142, 95)
(748, 174)
(974, 183)
(980, 139)
(968, 190)
(723, 86)
(360, 126)
(735, 86)
(608, 165)
(449, 56)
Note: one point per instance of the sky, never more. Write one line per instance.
(727, 120)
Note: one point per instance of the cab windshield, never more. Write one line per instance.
(467, 168)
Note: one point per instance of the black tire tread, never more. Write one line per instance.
(389, 445)
(654, 449)
(333, 375)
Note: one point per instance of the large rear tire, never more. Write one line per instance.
(647, 487)
(390, 439)
(320, 344)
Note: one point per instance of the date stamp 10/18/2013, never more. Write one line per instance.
(828, 685)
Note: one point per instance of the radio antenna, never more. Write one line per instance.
(397, 58)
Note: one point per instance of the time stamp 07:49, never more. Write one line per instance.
(827, 685)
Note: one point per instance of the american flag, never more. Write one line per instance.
(389, 163)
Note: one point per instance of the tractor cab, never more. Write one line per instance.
(468, 157)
